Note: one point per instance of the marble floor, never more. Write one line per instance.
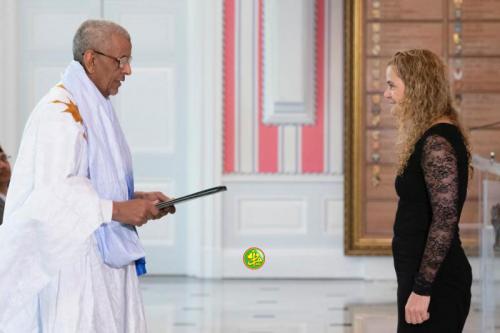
(187, 305)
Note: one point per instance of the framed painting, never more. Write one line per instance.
(463, 33)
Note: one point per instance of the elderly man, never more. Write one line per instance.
(70, 252)
(4, 180)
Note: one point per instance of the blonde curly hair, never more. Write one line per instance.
(427, 98)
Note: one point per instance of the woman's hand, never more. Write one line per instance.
(416, 309)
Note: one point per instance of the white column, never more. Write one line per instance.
(205, 134)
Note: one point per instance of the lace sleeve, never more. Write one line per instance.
(439, 164)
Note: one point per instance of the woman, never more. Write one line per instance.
(433, 273)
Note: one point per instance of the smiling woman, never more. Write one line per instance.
(395, 86)
(431, 184)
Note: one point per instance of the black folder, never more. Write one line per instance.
(208, 191)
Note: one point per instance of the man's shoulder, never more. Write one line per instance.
(58, 104)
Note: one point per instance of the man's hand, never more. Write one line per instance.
(416, 309)
(135, 212)
(156, 197)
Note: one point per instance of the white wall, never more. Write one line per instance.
(9, 124)
(204, 114)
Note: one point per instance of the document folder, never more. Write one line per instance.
(209, 191)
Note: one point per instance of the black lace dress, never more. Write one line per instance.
(428, 255)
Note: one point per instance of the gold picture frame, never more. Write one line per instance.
(361, 236)
(355, 242)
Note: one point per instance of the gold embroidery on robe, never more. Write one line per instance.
(72, 109)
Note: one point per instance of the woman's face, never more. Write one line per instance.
(395, 87)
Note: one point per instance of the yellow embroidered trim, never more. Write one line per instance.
(72, 109)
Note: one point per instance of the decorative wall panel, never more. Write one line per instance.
(276, 110)
(272, 215)
(156, 89)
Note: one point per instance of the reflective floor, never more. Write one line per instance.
(275, 306)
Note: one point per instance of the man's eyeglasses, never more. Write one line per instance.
(120, 61)
(4, 157)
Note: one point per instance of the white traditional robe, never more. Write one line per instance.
(52, 276)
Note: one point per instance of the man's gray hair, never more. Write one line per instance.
(94, 35)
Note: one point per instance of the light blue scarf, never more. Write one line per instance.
(110, 167)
